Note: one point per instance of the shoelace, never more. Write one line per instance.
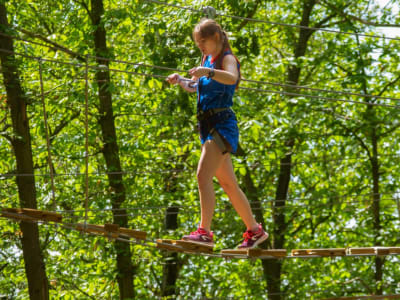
(248, 235)
(201, 231)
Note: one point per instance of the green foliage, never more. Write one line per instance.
(330, 194)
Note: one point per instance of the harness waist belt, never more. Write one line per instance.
(204, 115)
(207, 125)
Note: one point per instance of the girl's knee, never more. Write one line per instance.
(203, 179)
(229, 187)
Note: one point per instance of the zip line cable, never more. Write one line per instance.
(244, 88)
(161, 213)
(86, 139)
(328, 159)
(49, 158)
(337, 200)
(315, 97)
(202, 11)
(244, 80)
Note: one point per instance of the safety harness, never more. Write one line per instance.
(207, 121)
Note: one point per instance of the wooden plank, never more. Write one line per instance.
(267, 253)
(111, 227)
(91, 228)
(394, 250)
(234, 251)
(42, 215)
(361, 251)
(382, 251)
(325, 252)
(17, 216)
(255, 252)
(183, 246)
(137, 234)
(167, 245)
(371, 297)
(195, 247)
(112, 231)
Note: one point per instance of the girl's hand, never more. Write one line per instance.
(199, 72)
(174, 78)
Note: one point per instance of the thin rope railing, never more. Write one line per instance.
(49, 158)
(245, 80)
(285, 85)
(330, 99)
(364, 199)
(201, 11)
(153, 244)
(86, 140)
(190, 168)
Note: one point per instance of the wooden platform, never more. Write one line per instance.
(30, 214)
(183, 246)
(254, 253)
(112, 231)
(327, 252)
(373, 251)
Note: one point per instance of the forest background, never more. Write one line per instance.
(319, 156)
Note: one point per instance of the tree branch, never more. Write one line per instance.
(249, 15)
(85, 6)
(46, 26)
(64, 122)
(359, 139)
(341, 12)
(388, 85)
(389, 131)
(55, 45)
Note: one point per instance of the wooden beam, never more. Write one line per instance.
(112, 230)
(327, 252)
(375, 297)
(36, 214)
(183, 246)
(255, 253)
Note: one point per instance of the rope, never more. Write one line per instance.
(319, 97)
(152, 243)
(327, 159)
(241, 87)
(244, 80)
(364, 198)
(49, 159)
(86, 141)
(275, 23)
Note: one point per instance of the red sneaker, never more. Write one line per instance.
(200, 236)
(253, 239)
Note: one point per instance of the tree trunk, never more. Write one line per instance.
(21, 143)
(376, 209)
(125, 267)
(171, 265)
(272, 268)
(172, 262)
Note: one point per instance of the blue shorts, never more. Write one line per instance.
(228, 129)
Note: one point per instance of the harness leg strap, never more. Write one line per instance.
(219, 141)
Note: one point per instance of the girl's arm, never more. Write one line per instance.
(189, 85)
(229, 75)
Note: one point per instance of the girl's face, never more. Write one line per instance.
(207, 46)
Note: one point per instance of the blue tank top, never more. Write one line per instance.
(212, 94)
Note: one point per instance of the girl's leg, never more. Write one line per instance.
(227, 179)
(210, 160)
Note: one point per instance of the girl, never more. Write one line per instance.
(215, 82)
